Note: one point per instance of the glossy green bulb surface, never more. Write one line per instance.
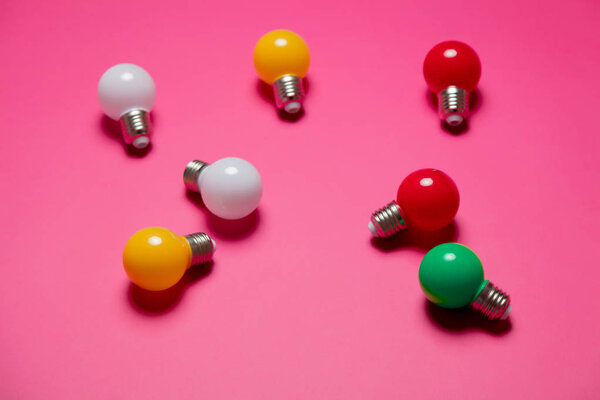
(451, 275)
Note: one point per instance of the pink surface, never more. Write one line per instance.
(300, 303)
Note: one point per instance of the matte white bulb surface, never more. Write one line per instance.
(231, 187)
(125, 87)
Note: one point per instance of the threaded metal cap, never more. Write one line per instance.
(191, 174)
(289, 93)
(492, 302)
(453, 105)
(202, 247)
(387, 221)
(136, 128)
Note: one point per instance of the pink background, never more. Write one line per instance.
(300, 302)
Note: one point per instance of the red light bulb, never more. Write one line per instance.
(452, 69)
(427, 200)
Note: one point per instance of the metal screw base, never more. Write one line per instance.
(289, 93)
(202, 247)
(453, 105)
(388, 220)
(136, 128)
(492, 302)
(191, 173)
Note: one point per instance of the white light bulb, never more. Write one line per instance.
(126, 93)
(231, 188)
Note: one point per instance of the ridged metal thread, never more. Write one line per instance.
(453, 101)
(388, 220)
(491, 302)
(287, 89)
(191, 174)
(202, 247)
(135, 123)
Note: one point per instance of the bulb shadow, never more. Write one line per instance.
(461, 320)
(156, 303)
(196, 199)
(287, 117)
(474, 105)
(421, 240)
(112, 129)
(226, 229)
(237, 229)
(265, 91)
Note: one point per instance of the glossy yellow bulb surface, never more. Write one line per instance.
(279, 53)
(156, 258)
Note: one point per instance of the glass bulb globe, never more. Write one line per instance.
(125, 87)
(231, 187)
(452, 63)
(156, 258)
(281, 52)
(428, 199)
(451, 275)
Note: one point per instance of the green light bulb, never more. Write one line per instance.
(451, 276)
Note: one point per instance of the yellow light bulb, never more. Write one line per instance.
(156, 258)
(281, 59)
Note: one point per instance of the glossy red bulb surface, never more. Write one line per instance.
(428, 199)
(452, 63)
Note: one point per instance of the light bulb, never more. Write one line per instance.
(156, 258)
(126, 93)
(452, 69)
(230, 187)
(281, 59)
(451, 276)
(427, 200)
